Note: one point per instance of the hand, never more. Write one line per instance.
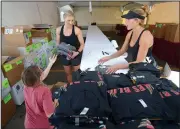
(113, 69)
(52, 59)
(74, 54)
(56, 103)
(104, 59)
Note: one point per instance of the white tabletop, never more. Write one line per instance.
(96, 42)
(174, 77)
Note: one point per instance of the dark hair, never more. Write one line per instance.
(31, 76)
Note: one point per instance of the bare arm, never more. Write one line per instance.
(80, 38)
(46, 71)
(124, 47)
(58, 35)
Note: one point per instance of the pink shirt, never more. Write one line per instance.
(39, 104)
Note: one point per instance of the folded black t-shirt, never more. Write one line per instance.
(86, 76)
(171, 95)
(117, 81)
(136, 102)
(145, 67)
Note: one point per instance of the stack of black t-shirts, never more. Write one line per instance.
(143, 73)
(137, 102)
(80, 95)
(117, 81)
(171, 95)
(86, 76)
(145, 67)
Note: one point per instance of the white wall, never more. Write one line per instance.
(100, 15)
(25, 13)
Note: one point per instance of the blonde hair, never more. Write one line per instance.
(68, 13)
(141, 12)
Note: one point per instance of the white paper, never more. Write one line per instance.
(143, 103)
(10, 31)
(21, 31)
(84, 111)
(17, 30)
(114, 43)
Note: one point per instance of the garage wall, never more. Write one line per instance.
(100, 15)
(167, 12)
(24, 13)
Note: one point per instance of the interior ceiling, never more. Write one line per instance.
(98, 4)
(107, 4)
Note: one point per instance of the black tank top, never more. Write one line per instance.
(72, 39)
(133, 51)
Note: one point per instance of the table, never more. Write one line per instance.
(96, 42)
(174, 77)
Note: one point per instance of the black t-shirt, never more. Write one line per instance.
(117, 81)
(143, 77)
(136, 102)
(171, 95)
(86, 76)
(145, 67)
(77, 96)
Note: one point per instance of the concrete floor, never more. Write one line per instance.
(56, 75)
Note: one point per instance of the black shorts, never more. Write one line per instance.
(73, 62)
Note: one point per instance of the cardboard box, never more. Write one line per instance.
(41, 33)
(151, 28)
(13, 69)
(172, 32)
(2, 30)
(19, 36)
(42, 30)
(8, 110)
(167, 32)
(174, 36)
(17, 93)
(160, 30)
(10, 51)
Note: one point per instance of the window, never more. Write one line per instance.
(62, 16)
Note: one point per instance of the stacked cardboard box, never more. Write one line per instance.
(160, 30)
(7, 104)
(41, 30)
(172, 33)
(151, 28)
(12, 69)
(14, 38)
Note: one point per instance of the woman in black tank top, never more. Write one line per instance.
(72, 35)
(138, 43)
